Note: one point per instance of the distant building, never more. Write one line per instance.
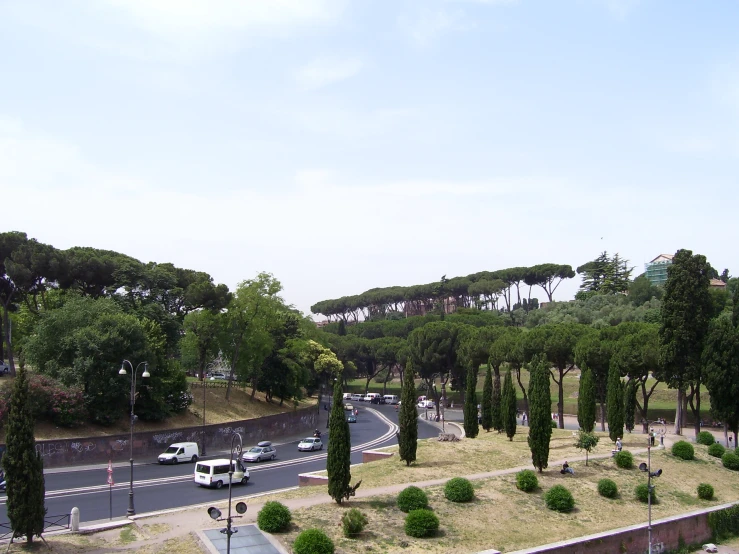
(656, 270)
(717, 284)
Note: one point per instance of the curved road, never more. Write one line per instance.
(158, 487)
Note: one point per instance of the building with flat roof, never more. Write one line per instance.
(656, 270)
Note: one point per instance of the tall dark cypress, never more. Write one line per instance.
(508, 404)
(630, 405)
(586, 401)
(471, 427)
(615, 404)
(540, 414)
(497, 410)
(487, 401)
(408, 418)
(24, 468)
(339, 448)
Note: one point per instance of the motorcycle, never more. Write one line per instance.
(317, 434)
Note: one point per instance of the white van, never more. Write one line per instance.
(370, 395)
(391, 399)
(214, 473)
(347, 396)
(180, 452)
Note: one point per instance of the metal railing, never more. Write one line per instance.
(51, 523)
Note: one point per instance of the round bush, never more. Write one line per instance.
(313, 541)
(706, 438)
(730, 461)
(683, 450)
(558, 498)
(607, 488)
(642, 493)
(624, 459)
(705, 491)
(412, 498)
(459, 489)
(353, 523)
(526, 480)
(554, 424)
(274, 517)
(421, 523)
(716, 450)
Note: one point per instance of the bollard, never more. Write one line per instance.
(74, 520)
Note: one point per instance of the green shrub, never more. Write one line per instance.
(421, 523)
(554, 424)
(706, 438)
(459, 489)
(353, 523)
(730, 461)
(560, 499)
(607, 488)
(274, 517)
(683, 450)
(716, 450)
(313, 541)
(642, 493)
(724, 524)
(624, 459)
(705, 491)
(526, 480)
(412, 498)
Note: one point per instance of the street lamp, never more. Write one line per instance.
(131, 511)
(215, 513)
(647, 468)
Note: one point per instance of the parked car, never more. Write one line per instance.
(377, 400)
(262, 451)
(214, 473)
(391, 399)
(351, 419)
(217, 375)
(357, 397)
(347, 396)
(310, 444)
(349, 407)
(428, 404)
(180, 452)
(4, 368)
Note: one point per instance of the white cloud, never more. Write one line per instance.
(322, 72)
(431, 25)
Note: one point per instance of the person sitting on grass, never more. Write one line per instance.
(567, 469)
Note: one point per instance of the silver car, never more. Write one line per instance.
(262, 451)
(310, 444)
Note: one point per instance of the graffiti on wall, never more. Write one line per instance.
(167, 438)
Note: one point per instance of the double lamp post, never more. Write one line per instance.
(134, 371)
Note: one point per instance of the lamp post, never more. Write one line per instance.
(131, 511)
(648, 469)
(215, 513)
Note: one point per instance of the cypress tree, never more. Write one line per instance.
(24, 468)
(471, 427)
(487, 401)
(408, 418)
(540, 414)
(497, 405)
(339, 448)
(615, 404)
(586, 401)
(630, 404)
(508, 402)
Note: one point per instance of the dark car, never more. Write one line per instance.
(351, 419)
(377, 400)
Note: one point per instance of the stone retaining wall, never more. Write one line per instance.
(147, 445)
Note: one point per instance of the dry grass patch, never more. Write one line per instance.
(505, 518)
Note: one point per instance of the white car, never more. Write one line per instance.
(428, 404)
(262, 451)
(310, 444)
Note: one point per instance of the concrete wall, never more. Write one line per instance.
(692, 528)
(149, 444)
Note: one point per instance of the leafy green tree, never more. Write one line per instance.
(720, 362)
(487, 401)
(586, 401)
(339, 448)
(586, 441)
(511, 343)
(605, 275)
(200, 342)
(615, 404)
(642, 290)
(24, 468)
(408, 418)
(509, 406)
(540, 419)
(629, 404)
(471, 428)
(686, 310)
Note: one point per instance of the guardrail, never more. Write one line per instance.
(51, 523)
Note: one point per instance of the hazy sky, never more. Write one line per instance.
(346, 145)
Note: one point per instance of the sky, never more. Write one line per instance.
(347, 145)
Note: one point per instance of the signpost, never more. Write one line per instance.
(110, 485)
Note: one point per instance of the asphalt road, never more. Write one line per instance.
(161, 487)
